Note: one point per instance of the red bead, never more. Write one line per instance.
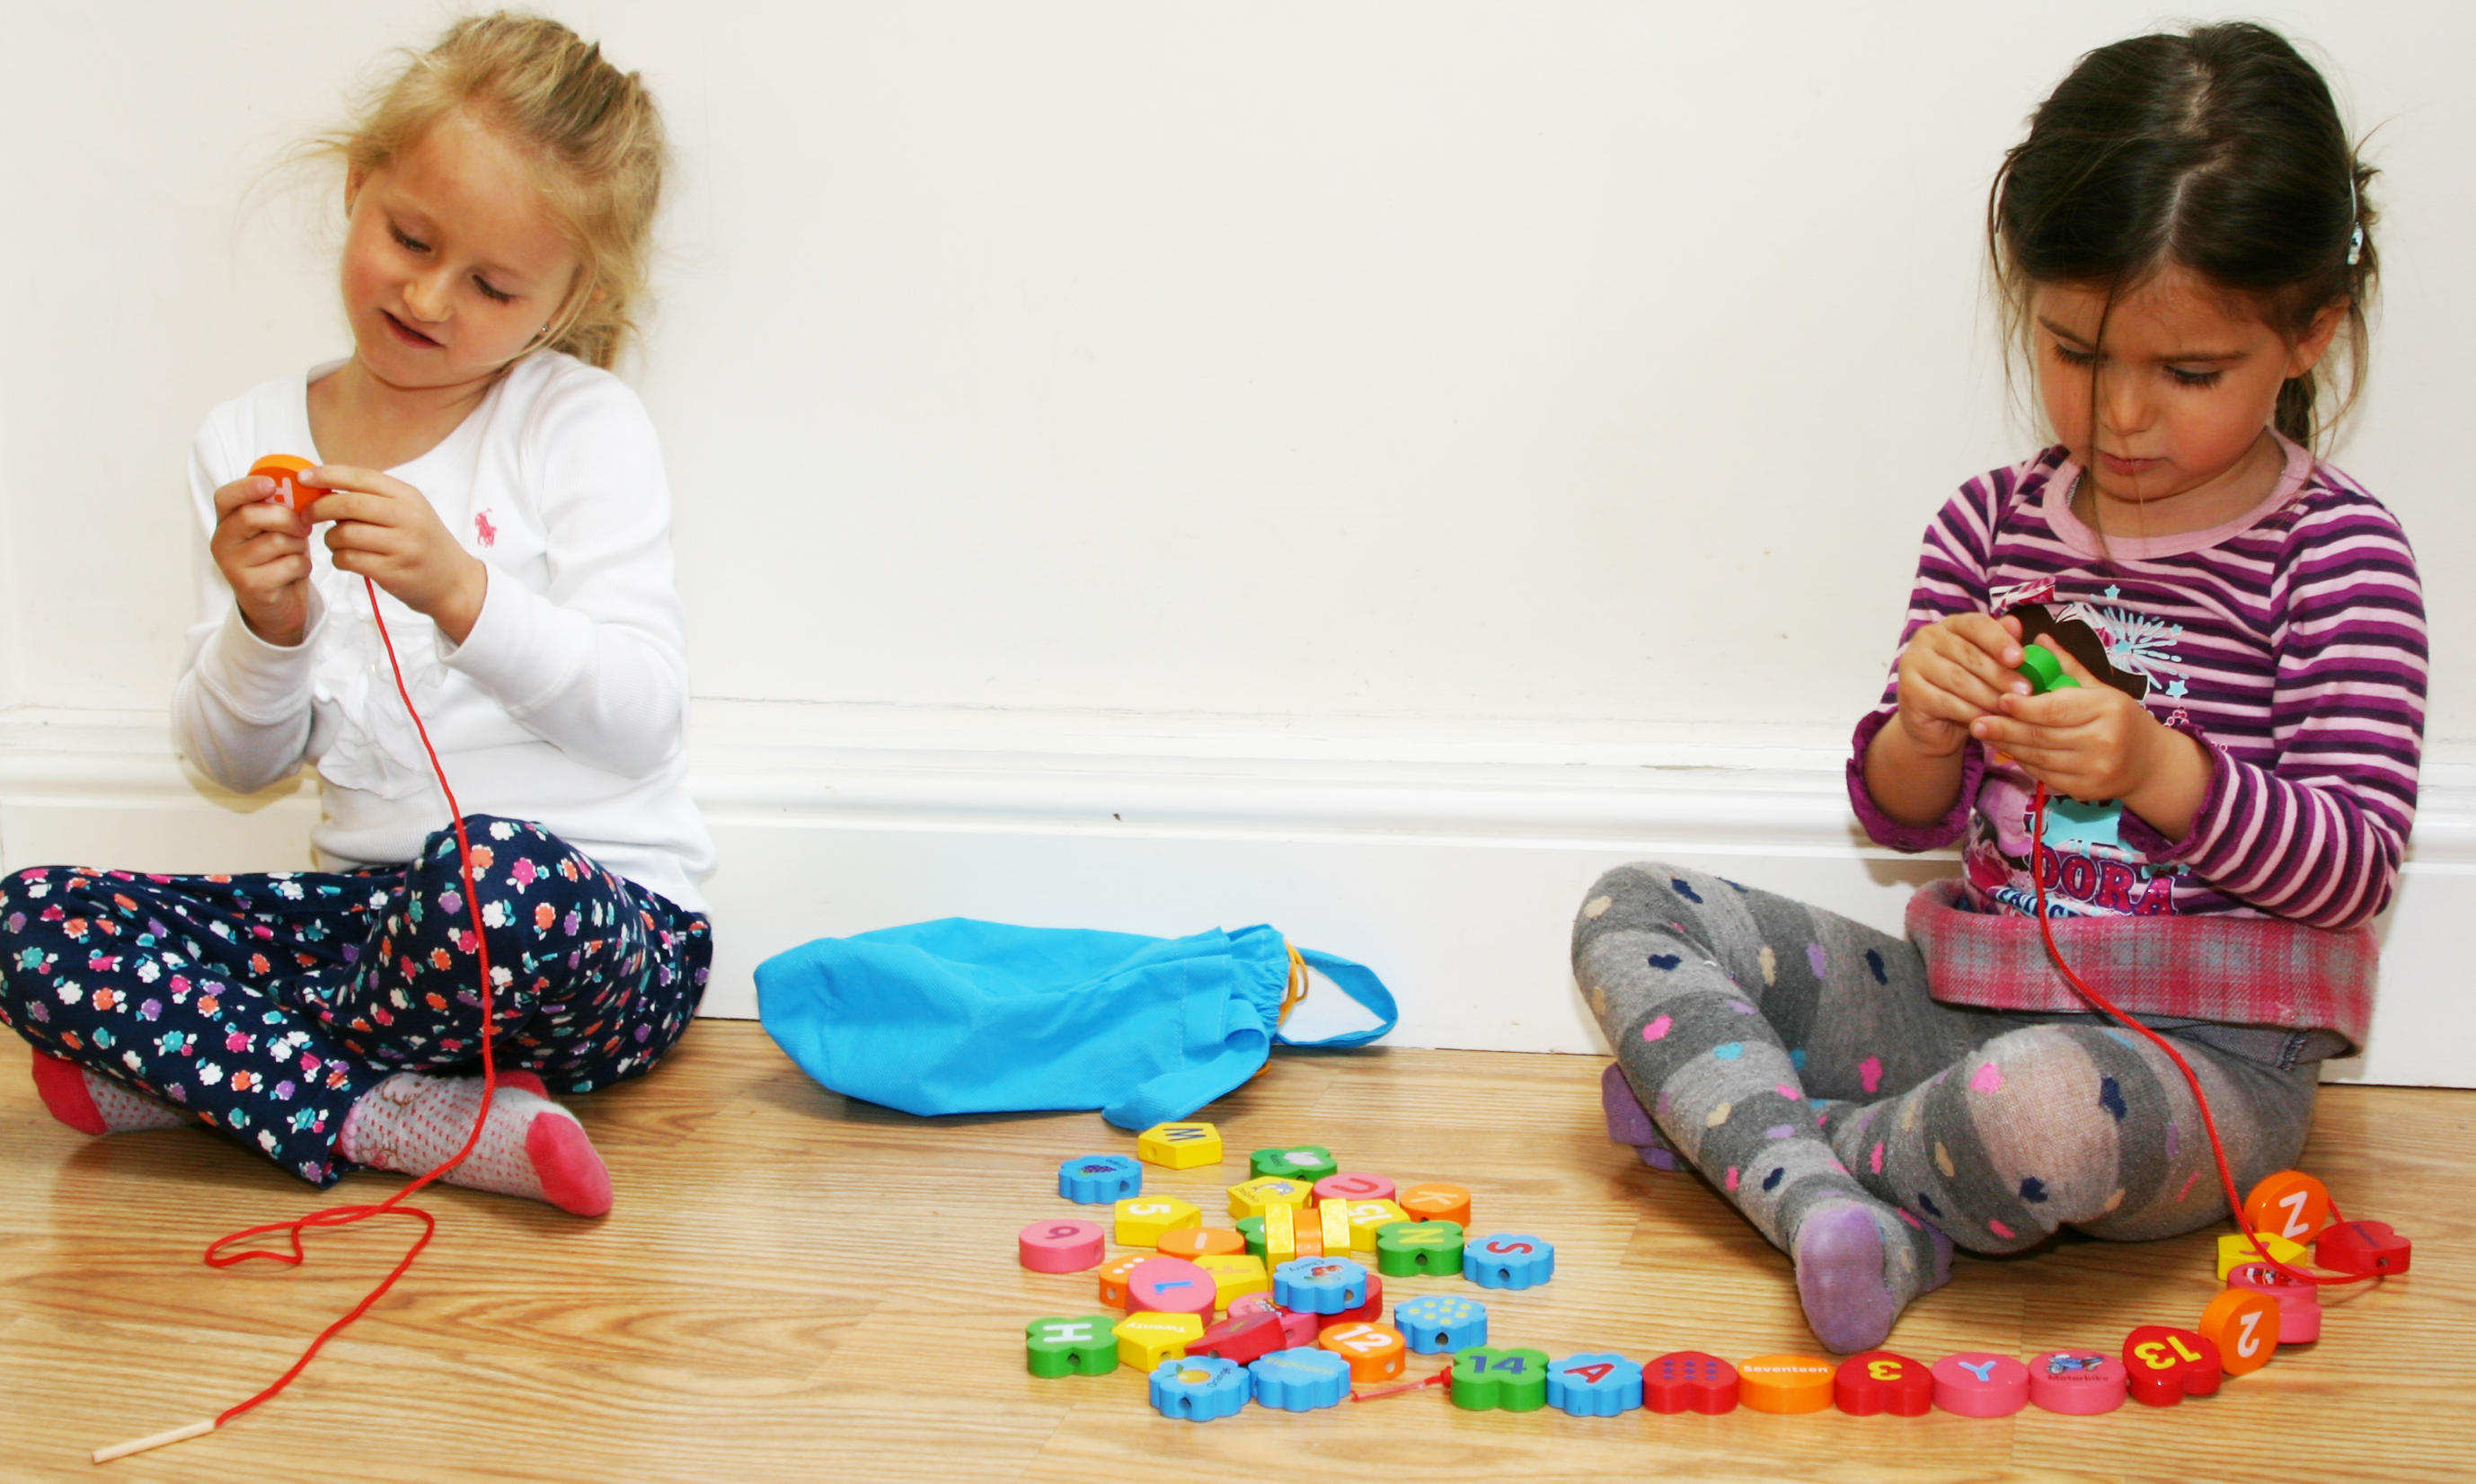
(2165, 1365)
(1880, 1381)
(2362, 1247)
(1688, 1381)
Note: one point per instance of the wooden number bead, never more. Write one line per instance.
(1170, 1285)
(2363, 1248)
(2243, 1325)
(1975, 1383)
(1113, 1279)
(1061, 1247)
(1353, 1188)
(1430, 1247)
(1199, 1388)
(2077, 1383)
(1179, 1145)
(1142, 1220)
(2235, 1249)
(1070, 1347)
(1786, 1383)
(1245, 1336)
(1146, 1340)
(1376, 1352)
(2291, 1203)
(1439, 1323)
(1100, 1180)
(1320, 1285)
(1301, 1380)
(2299, 1304)
(1510, 1380)
(1690, 1381)
(1879, 1381)
(1255, 1196)
(1437, 1202)
(1307, 1162)
(2162, 1365)
(1193, 1242)
(1369, 1217)
(1510, 1260)
(1595, 1385)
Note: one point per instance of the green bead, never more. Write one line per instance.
(1252, 1227)
(1072, 1346)
(1307, 1163)
(1408, 1248)
(2043, 669)
(1510, 1380)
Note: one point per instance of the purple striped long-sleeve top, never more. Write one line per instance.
(2289, 641)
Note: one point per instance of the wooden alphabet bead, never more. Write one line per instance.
(2292, 1203)
(1142, 1220)
(1320, 1285)
(1601, 1384)
(2362, 1249)
(1245, 1336)
(1433, 1248)
(1113, 1279)
(1511, 1260)
(1280, 1235)
(1509, 1380)
(1376, 1352)
(1252, 1198)
(2299, 1304)
(1353, 1188)
(2164, 1365)
(1785, 1383)
(1199, 1388)
(1100, 1180)
(1690, 1381)
(1304, 1162)
(1070, 1347)
(1370, 1309)
(2235, 1249)
(2243, 1325)
(1301, 1380)
(1061, 1247)
(1298, 1329)
(1879, 1381)
(284, 469)
(1438, 1324)
(1234, 1274)
(1170, 1285)
(1333, 1217)
(2077, 1383)
(1146, 1340)
(1369, 1217)
(1437, 1200)
(1178, 1145)
(1977, 1383)
(1193, 1242)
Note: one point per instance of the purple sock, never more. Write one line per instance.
(1854, 1276)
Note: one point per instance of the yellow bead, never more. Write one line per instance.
(1146, 1340)
(1178, 1145)
(1143, 1219)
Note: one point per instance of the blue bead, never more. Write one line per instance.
(1301, 1380)
(1436, 1323)
(1511, 1260)
(1320, 1285)
(1596, 1385)
(1098, 1179)
(1199, 1388)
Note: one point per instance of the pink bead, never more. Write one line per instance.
(2299, 1304)
(2077, 1383)
(1062, 1247)
(1297, 1329)
(1169, 1285)
(1347, 1186)
(1975, 1383)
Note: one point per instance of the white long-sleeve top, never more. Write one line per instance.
(566, 704)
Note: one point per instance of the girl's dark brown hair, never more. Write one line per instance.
(2219, 151)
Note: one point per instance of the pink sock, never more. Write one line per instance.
(94, 1104)
(530, 1147)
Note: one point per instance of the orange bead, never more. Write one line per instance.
(2290, 1204)
(1785, 1383)
(1436, 1202)
(1193, 1242)
(283, 468)
(1376, 1352)
(1113, 1277)
(2243, 1325)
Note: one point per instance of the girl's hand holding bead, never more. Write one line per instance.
(386, 531)
(2096, 743)
(262, 549)
(1953, 673)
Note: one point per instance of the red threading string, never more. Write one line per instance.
(393, 1205)
(2209, 1124)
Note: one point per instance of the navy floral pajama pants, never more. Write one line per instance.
(267, 1004)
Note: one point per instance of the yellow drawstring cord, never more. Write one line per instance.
(1296, 991)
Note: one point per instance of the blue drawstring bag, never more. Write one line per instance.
(958, 1016)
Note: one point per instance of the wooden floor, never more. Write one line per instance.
(798, 1288)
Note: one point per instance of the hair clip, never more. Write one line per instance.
(2355, 221)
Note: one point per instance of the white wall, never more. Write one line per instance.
(1263, 387)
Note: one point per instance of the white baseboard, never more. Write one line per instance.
(1450, 866)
